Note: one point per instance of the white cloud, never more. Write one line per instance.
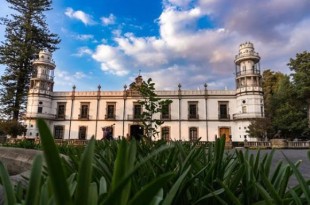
(80, 15)
(108, 20)
(65, 79)
(84, 37)
(191, 54)
(111, 60)
(83, 51)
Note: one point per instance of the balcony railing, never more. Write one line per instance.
(224, 117)
(247, 72)
(193, 116)
(165, 116)
(60, 117)
(133, 117)
(83, 117)
(247, 115)
(110, 117)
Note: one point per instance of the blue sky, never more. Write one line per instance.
(173, 41)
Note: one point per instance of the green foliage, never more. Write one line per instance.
(301, 67)
(12, 128)
(26, 33)
(152, 104)
(283, 109)
(122, 172)
(259, 127)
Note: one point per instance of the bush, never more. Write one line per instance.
(122, 172)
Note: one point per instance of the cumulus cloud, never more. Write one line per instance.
(63, 77)
(79, 15)
(192, 54)
(108, 20)
(82, 51)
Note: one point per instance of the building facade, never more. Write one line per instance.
(193, 114)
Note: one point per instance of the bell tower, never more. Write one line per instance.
(249, 91)
(39, 104)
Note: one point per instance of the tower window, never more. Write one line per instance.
(243, 109)
(40, 103)
(40, 109)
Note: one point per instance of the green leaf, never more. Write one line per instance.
(85, 174)
(212, 194)
(34, 188)
(157, 198)
(93, 194)
(150, 190)
(174, 189)
(54, 165)
(264, 194)
(8, 188)
(301, 180)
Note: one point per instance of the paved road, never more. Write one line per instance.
(294, 155)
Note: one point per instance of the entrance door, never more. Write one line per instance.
(136, 131)
(226, 132)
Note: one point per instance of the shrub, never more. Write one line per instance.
(122, 172)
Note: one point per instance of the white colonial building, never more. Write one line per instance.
(193, 114)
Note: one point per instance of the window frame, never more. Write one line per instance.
(63, 114)
(59, 133)
(165, 133)
(108, 114)
(193, 111)
(80, 132)
(193, 134)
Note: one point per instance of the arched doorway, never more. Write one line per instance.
(136, 132)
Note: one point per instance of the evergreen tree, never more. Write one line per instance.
(26, 33)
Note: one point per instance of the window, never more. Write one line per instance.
(137, 110)
(165, 133)
(192, 110)
(165, 113)
(40, 109)
(61, 110)
(110, 111)
(84, 111)
(243, 109)
(58, 132)
(223, 111)
(193, 133)
(82, 132)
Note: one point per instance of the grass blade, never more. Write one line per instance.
(33, 191)
(301, 180)
(174, 189)
(8, 188)
(85, 174)
(53, 161)
(150, 190)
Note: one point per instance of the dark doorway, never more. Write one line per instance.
(136, 132)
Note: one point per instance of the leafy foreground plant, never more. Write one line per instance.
(120, 173)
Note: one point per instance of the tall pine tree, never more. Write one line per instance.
(26, 33)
